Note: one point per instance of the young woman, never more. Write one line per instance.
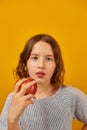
(54, 104)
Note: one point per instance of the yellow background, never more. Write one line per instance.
(65, 20)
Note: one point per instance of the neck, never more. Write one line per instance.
(44, 91)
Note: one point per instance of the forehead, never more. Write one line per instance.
(42, 47)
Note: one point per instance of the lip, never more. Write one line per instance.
(40, 74)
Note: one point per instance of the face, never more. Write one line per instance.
(41, 63)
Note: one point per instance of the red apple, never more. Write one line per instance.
(32, 89)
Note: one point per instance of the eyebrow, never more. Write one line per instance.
(34, 54)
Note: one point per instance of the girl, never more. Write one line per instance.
(54, 105)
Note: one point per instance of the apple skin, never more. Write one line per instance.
(32, 89)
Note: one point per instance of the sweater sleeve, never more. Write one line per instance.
(4, 113)
(80, 112)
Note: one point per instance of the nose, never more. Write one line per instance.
(41, 63)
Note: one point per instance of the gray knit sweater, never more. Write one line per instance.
(52, 113)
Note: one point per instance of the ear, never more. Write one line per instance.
(25, 68)
(26, 71)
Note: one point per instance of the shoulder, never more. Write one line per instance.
(7, 103)
(8, 99)
(73, 92)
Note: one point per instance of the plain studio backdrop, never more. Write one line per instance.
(65, 20)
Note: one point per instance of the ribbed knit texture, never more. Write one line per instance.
(52, 113)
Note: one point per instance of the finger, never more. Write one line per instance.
(26, 86)
(28, 102)
(29, 97)
(18, 84)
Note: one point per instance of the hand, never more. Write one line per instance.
(19, 100)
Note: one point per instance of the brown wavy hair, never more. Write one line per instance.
(58, 76)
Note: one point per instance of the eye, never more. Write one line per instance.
(34, 57)
(49, 59)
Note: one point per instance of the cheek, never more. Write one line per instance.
(29, 64)
(31, 71)
(51, 69)
(30, 67)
